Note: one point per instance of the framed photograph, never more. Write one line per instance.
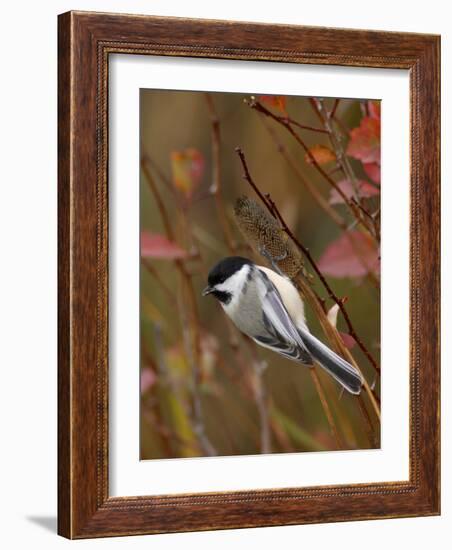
(248, 275)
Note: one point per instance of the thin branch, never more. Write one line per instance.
(152, 271)
(281, 120)
(261, 398)
(271, 206)
(312, 189)
(368, 423)
(328, 328)
(345, 131)
(319, 106)
(326, 407)
(249, 179)
(331, 294)
(364, 107)
(158, 199)
(261, 395)
(216, 188)
(373, 220)
(156, 420)
(334, 109)
(193, 350)
(191, 333)
(261, 109)
(301, 126)
(166, 380)
(166, 181)
(288, 120)
(327, 208)
(258, 387)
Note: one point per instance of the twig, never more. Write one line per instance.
(176, 196)
(181, 201)
(261, 398)
(288, 120)
(261, 109)
(258, 388)
(328, 288)
(157, 417)
(216, 189)
(334, 109)
(271, 206)
(152, 271)
(158, 199)
(301, 126)
(313, 190)
(344, 420)
(326, 407)
(195, 340)
(372, 219)
(328, 328)
(318, 106)
(368, 423)
(326, 207)
(190, 333)
(364, 107)
(166, 381)
(356, 213)
(249, 179)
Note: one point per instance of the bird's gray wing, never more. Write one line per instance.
(282, 334)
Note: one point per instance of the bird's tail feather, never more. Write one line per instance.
(335, 365)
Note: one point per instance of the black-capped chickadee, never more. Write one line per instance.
(267, 307)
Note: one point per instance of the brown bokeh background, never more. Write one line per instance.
(174, 121)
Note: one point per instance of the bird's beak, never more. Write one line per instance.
(207, 290)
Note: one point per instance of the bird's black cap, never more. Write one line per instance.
(225, 268)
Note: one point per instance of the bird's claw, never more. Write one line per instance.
(272, 260)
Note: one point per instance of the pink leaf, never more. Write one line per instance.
(147, 379)
(365, 190)
(159, 247)
(352, 255)
(187, 168)
(348, 340)
(372, 169)
(364, 144)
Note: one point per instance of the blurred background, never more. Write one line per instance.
(205, 390)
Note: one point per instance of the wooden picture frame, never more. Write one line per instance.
(85, 42)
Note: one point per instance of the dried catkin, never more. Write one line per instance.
(261, 230)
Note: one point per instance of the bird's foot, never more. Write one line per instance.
(272, 260)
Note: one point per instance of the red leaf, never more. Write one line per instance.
(348, 340)
(374, 109)
(351, 255)
(276, 101)
(321, 154)
(187, 168)
(364, 144)
(147, 379)
(159, 247)
(372, 169)
(365, 191)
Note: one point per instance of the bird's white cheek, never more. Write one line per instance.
(230, 307)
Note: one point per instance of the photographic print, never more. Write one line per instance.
(260, 274)
(219, 275)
